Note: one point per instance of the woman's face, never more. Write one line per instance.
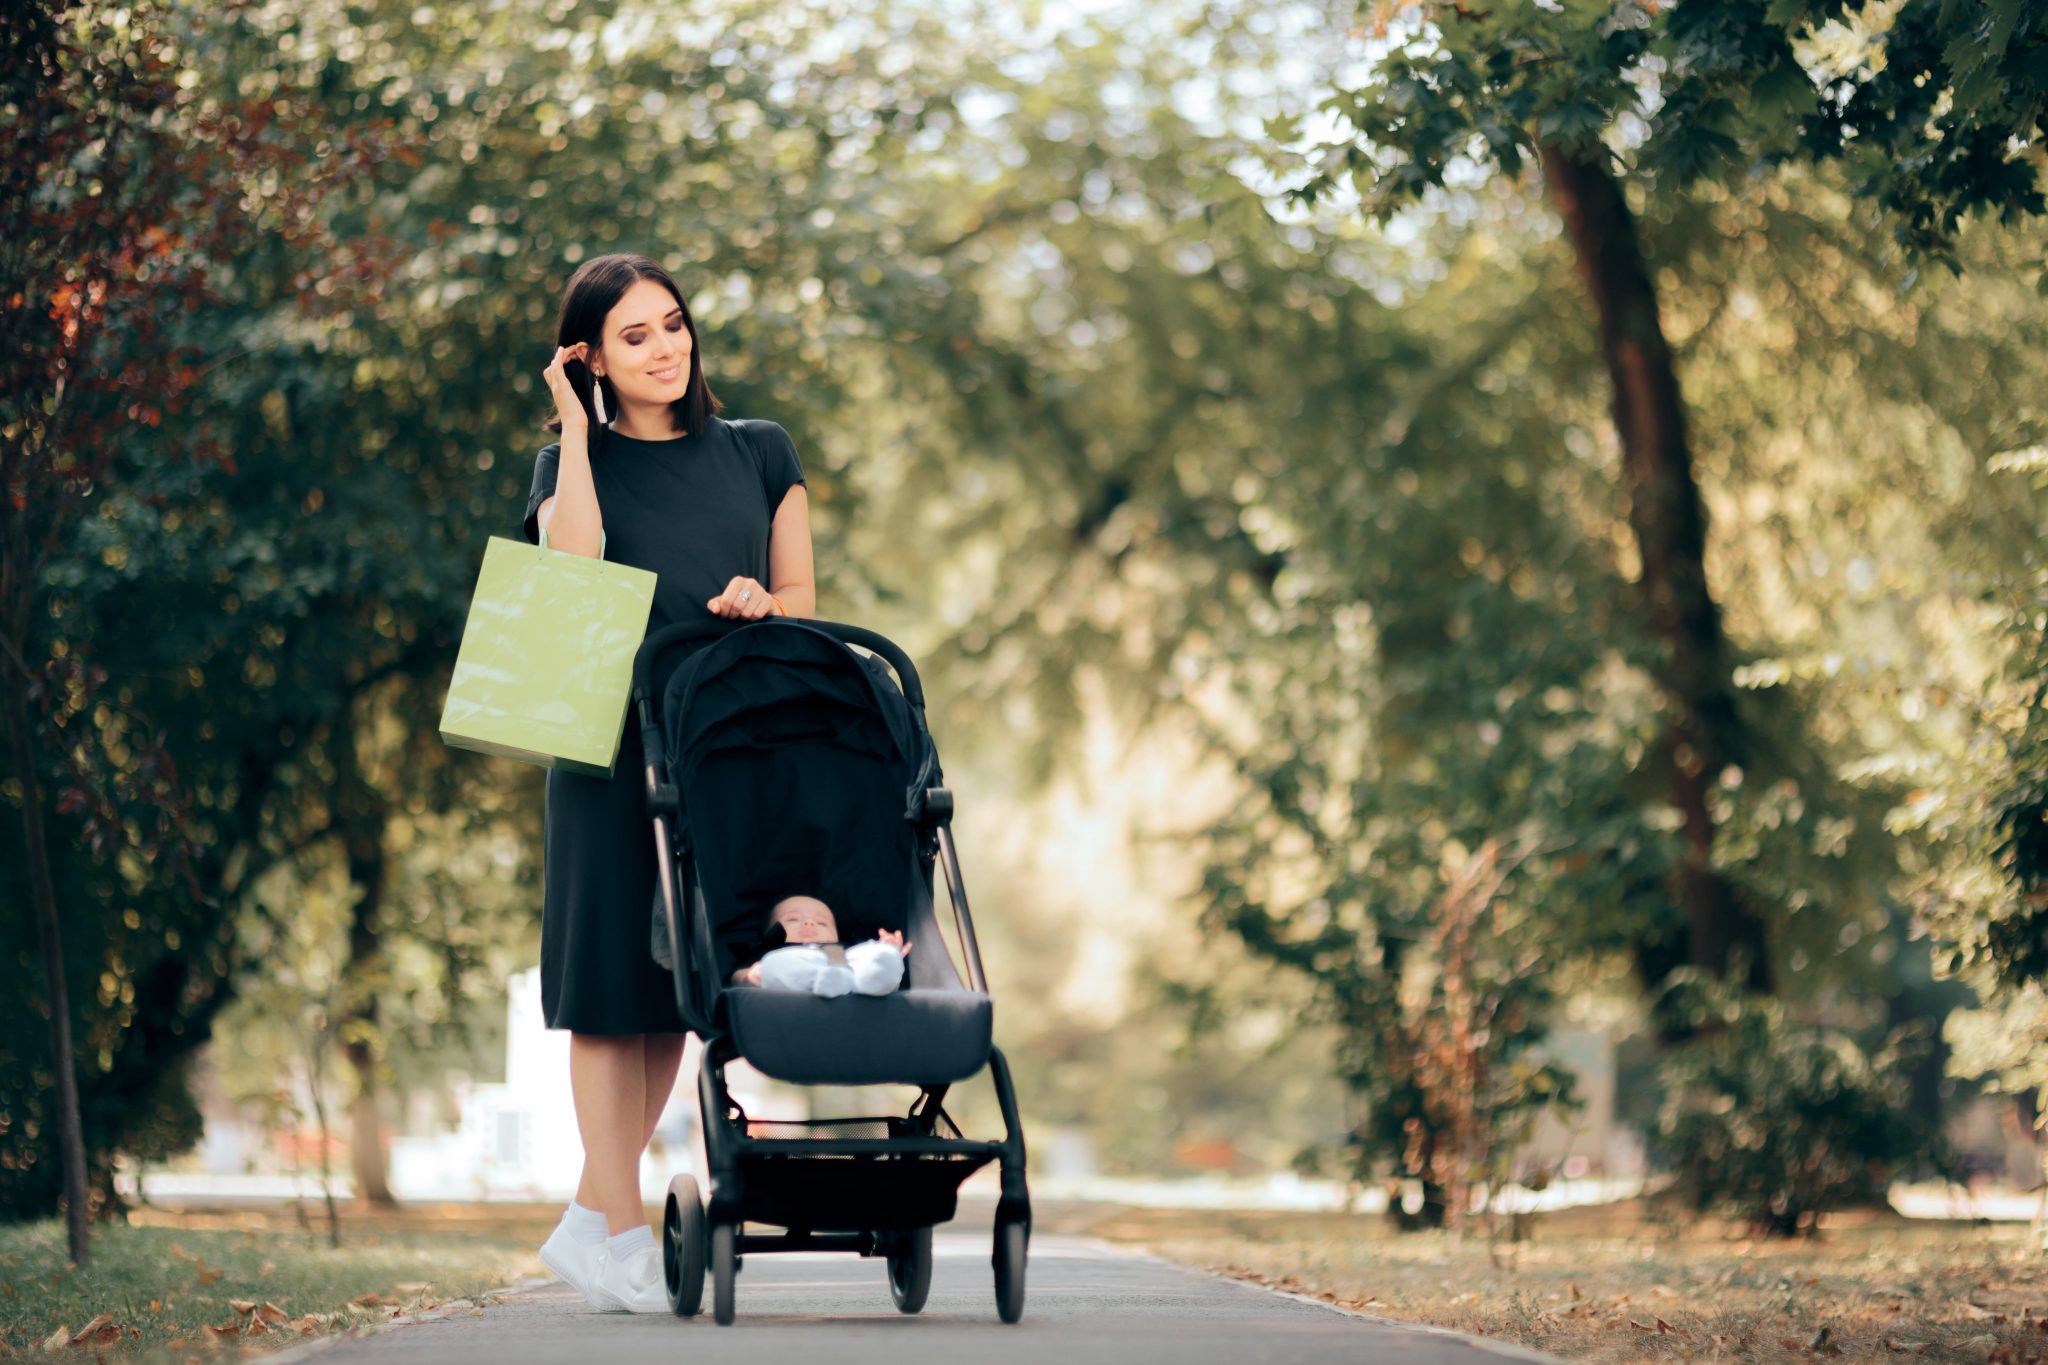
(645, 349)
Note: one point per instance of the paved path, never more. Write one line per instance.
(1087, 1303)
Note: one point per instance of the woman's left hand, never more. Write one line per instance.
(742, 600)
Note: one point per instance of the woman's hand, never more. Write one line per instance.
(895, 940)
(568, 406)
(743, 600)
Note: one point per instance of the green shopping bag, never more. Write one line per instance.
(547, 657)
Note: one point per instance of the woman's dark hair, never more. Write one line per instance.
(594, 290)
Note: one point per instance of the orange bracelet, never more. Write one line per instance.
(780, 610)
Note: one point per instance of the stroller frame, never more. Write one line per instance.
(903, 1183)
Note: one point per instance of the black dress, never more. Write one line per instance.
(696, 510)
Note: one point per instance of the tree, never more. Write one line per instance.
(323, 568)
(1614, 100)
(123, 192)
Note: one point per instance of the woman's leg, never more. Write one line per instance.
(664, 1058)
(608, 1078)
(658, 1057)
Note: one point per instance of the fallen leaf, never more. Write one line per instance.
(366, 1300)
(156, 1305)
(242, 1306)
(58, 1339)
(1663, 1326)
(102, 1330)
(1641, 1326)
(1574, 1288)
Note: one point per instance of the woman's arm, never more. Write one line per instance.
(790, 572)
(570, 516)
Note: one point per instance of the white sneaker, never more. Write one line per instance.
(635, 1282)
(578, 1264)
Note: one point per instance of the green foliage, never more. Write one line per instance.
(1446, 1055)
(130, 194)
(1936, 107)
(1775, 1122)
(2014, 941)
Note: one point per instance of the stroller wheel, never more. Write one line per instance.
(724, 1269)
(682, 1247)
(910, 1271)
(1012, 1237)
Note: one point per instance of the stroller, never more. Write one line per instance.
(781, 760)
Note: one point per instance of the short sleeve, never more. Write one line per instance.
(543, 489)
(780, 468)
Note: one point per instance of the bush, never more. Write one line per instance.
(1774, 1122)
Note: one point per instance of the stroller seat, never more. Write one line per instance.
(911, 1037)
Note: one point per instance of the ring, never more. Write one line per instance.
(745, 593)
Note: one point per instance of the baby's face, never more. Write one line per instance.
(806, 919)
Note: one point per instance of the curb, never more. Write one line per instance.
(305, 1349)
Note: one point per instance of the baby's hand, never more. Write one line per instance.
(894, 940)
(747, 976)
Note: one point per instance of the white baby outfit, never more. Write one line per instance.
(871, 968)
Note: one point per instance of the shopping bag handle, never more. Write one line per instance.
(600, 541)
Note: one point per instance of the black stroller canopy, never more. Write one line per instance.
(795, 760)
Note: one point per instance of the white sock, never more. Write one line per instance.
(585, 1225)
(623, 1244)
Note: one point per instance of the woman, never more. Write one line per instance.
(647, 472)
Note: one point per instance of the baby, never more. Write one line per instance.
(815, 962)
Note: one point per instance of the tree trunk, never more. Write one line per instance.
(367, 1156)
(1702, 732)
(70, 1142)
(316, 1085)
(363, 819)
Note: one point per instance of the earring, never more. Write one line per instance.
(597, 399)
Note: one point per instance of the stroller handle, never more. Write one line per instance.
(687, 631)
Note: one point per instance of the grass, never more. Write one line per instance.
(1614, 1284)
(195, 1285)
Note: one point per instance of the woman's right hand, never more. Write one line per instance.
(568, 407)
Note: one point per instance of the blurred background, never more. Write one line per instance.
(1479, 576)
